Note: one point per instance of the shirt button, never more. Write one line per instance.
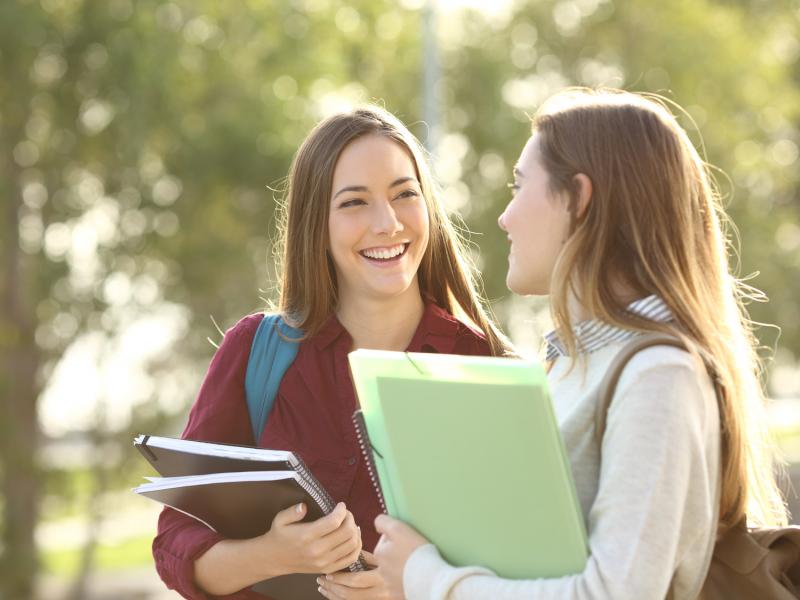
(351, 461)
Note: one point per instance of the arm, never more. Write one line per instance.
(193, 559)
(656, 497)
(219, 414)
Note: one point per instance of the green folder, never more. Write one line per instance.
(468, 452)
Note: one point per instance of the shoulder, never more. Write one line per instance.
(471, 341)
(461, 337)
(243, 332)
(664, 361)
(669, 382)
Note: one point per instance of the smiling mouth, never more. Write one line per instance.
(386, 254)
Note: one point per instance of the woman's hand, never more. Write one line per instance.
(365, 585)
(397, 542)
(326, 545)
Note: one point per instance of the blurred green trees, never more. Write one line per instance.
(141, 143)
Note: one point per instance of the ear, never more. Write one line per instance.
(584, 186)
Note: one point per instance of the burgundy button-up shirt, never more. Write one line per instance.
(311, 416)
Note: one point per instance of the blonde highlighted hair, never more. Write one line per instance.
(655, 225)
(307, 280)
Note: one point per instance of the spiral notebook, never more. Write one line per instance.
(467, 450)
(236, 491)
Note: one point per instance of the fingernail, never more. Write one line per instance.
(319, 581)
(299, 507)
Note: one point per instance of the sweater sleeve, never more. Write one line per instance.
(656, 497)
(219, 414)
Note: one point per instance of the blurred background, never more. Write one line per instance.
(143, 144)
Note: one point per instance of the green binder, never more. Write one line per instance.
(466, 449)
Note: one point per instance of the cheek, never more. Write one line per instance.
(338, 242)
(522, 217)
(424, 225)
(342, 232)
(538, 233)
(333, 235)
(416, 218)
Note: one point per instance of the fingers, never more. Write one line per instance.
(290, 515)
(329, 523)
(380, 549)
(324, 546)
(369, 558)
(361, 579)
(330, 594)
(366, 585)
(347, 531)
(386, 525)
(346, 554)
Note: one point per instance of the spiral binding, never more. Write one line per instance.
(320, 494)
(366, 451)
(323, 499)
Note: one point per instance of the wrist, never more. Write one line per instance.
(268, 558)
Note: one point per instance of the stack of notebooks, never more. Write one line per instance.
(236, 491)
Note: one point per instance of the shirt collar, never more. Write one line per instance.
(592, 334)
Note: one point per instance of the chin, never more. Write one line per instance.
(525, 288)
(390, 291)
(515, 286)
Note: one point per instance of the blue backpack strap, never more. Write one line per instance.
(270, 356)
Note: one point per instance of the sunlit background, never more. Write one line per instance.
(143, 144)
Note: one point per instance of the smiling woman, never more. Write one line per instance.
(369, 259)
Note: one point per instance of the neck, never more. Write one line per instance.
(382, 324)
(578, 312)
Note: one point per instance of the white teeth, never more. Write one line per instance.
(384, 253)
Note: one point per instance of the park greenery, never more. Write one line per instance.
(144, 146)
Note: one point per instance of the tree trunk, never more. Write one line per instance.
(19, 429)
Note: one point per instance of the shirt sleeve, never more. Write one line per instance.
(219, 414)
(656, 497)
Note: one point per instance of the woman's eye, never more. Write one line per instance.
(351, 202)
(408, 194)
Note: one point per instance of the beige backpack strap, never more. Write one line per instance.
(609, 383)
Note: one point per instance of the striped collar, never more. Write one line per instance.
(592, 334)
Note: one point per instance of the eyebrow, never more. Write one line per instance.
(362, 188)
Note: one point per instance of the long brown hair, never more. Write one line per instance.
(308, 286)
(655, 225)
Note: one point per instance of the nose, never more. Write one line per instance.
(501, 221)
(385, 220)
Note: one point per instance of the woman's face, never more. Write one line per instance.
(378, 222)
(537, 223)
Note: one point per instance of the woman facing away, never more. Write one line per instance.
(615, 216)
(369, 260)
